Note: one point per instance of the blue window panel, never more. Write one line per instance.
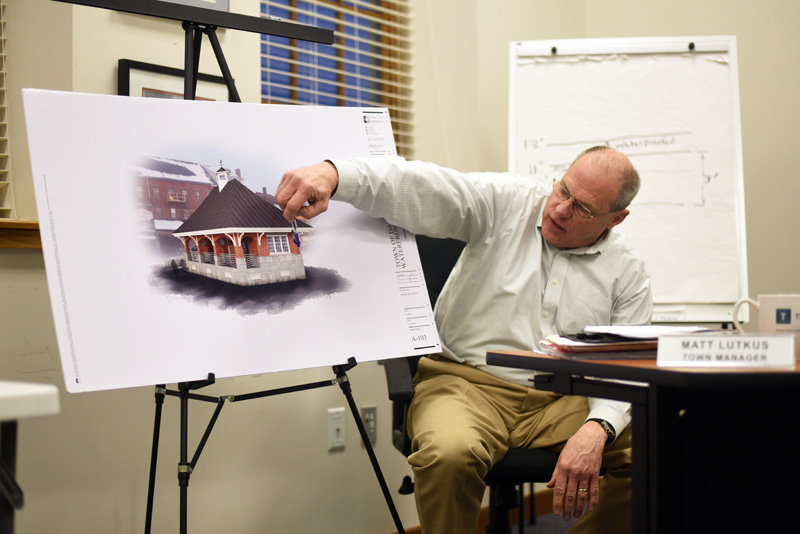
(328, 62)
(371, 48)
(275, 64)
(369, 23)
(304, 84)
(366, 71)
(326, 12)
(278, 40)
(275, 92)
(327, 75)
(327, 88)
(367, 84)
(326, 24)
(327, 51)
(366, 35)
(274, 77)
(279, 12)
(328, 101)
(303, 70)
(365, 25)
(370, 98)
(277, 52)
(366, 65)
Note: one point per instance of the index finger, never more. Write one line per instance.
(292, 206)
(284, 191)
(289, 196)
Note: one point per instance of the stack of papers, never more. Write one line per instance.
(612, 342)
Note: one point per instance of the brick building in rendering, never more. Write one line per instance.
(238, 237)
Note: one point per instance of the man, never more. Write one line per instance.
(534, 264)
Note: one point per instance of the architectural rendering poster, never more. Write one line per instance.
(167, 257)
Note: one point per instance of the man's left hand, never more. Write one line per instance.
(576, 477)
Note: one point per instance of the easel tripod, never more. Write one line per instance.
(196, 22)
(185, 467)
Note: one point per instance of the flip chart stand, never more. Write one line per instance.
(185, 468)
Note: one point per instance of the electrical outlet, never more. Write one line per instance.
(336, 433)
(369, 415)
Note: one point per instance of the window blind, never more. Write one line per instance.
(6, 204)
(369, 64)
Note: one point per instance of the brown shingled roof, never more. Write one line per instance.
(235, 207)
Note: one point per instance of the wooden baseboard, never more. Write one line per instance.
(542, 504)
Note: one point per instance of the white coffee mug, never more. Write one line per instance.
(777, 314)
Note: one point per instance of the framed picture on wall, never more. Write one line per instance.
(136, 78)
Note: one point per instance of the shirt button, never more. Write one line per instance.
(546, 315)
(555, 282)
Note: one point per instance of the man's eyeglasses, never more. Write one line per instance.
(578, 209)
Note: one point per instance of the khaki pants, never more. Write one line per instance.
(463, 420)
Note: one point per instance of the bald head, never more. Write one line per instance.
(615, 164)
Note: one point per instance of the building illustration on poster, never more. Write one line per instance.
(196, 238)
(228, 233)
(238, 237)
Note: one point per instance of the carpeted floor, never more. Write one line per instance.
(546, 524)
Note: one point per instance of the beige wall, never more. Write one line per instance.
(58, 46)
(466, 127)
(266, 464)
(39, 55)
(769, 51)
(266, 467)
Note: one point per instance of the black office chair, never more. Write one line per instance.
(506, 479)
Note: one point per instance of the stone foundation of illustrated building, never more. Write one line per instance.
(247, 270)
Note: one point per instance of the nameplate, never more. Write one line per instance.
(726, 350)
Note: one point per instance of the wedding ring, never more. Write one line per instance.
(582, 490)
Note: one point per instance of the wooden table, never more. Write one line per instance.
(715, 450)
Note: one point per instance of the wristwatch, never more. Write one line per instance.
(608, 428)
